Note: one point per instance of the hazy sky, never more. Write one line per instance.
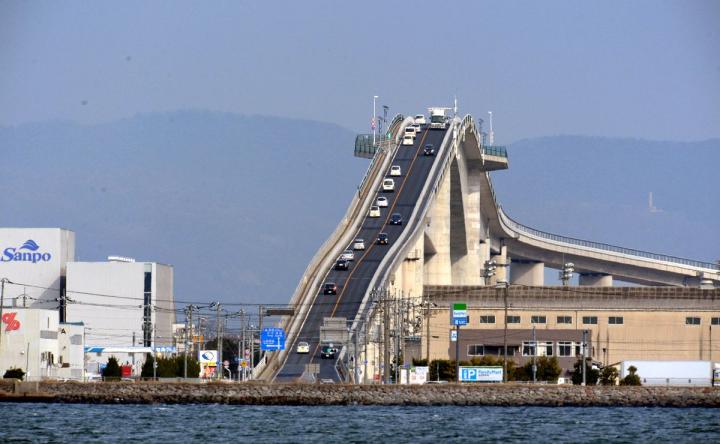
(648, 69)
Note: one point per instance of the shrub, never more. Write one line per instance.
(14, 373)
(608, 375)
(632, 378)
(112, 369)
(591, 375)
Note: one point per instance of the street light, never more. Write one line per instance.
(489, 270)
(374, 126)
(566, 273)
(503, 285)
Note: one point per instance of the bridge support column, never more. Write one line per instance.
(596, 280)
(527, 273)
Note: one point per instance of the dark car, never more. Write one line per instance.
(396, 219)
(330, 288)
(328, 352)
(383, 239)
(429, 150)
(342, 264)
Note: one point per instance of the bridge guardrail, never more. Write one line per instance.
(294, 323)
(524, 229)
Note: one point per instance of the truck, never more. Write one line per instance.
(438, 117)
(697, 373)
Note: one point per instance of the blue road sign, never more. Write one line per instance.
(272, 339)
(459, 314)
(481, 374)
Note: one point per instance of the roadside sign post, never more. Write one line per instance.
(272, 339)
(459, 317)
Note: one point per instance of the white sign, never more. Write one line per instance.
(481, 374)
(453, 335)
(207, 356)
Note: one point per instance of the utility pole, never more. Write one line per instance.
(356, 367)
(2, 302)
(505, 303)
(386, 338)
(457, 353)
(535, 350)
(427, 331)
(396, 307)
(218, 341)
(154, 349)
(241, 345)
(187, 309)
(252, 352)
(584, 356)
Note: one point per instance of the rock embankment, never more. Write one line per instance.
(339, 394)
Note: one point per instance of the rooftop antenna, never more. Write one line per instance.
(491, 134)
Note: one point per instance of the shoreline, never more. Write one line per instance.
(341, 394)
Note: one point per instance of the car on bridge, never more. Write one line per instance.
(383, 239)
(330, 288)
(302, 348)
(418, 128)
(359, 244)
(348, 255)
(429, 150)
(382, 201)
(342, 264)
(388, 185)
(375, 210)
(395, 170)
(396, 219)
(328, 352)
(408, 140)
(420, 119)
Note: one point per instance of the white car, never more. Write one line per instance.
(303, 347)
(359, 244)
(420, 119)
(410, 130)
(374, 211)
(382, 201)
(418, 128)
(348, 255)
(395, 170)
(408, 140)
(388, 185)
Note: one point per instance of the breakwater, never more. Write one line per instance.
(340, 394)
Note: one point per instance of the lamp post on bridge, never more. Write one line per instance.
(374, 125)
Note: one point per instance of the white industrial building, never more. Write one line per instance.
(122, 303)
(34, 263)
(36, 342)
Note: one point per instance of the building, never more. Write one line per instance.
(35, 341)
(622, 323)
(34, 263)
(123, 303)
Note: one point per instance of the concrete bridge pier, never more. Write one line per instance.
(596, 280)
(527, 273)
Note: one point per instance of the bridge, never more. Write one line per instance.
(453, 230)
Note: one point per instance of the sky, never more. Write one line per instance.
(641, 69)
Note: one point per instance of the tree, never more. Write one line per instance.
(632, 378)
(14, 373)
(591, 374)
(608, 375)
(112, 369)
(548, 369)
(171, 367)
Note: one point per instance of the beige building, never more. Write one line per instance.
(622, 323)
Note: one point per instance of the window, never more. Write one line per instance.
(476, 350)
(565, 348)
(590, 320)
(715, 321)
(615, 320)
(487, 319)
(538, 319)
(513, 319)
(564, 319)
(528, 348)
(692, 320)
(545, 348)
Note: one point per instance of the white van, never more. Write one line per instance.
(410, 130)
(388, 185)
(420, 119)
(408, 140)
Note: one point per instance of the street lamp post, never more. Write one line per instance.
(373, 119)
(503, 285)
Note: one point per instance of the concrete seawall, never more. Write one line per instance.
(299, 394)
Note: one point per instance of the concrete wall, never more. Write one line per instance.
(71, 356)
(41, 281)
(108, 297)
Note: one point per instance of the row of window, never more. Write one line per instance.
(586, 320)
(530, 348)
(538, 319)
